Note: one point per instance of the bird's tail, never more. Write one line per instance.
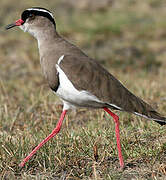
(153, 115)
(143, 109)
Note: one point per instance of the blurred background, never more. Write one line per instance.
(128, 37)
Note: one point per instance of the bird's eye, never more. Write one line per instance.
(31, 16)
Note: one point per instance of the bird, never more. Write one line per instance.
(78, 80)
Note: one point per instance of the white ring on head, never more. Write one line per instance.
(42, 10)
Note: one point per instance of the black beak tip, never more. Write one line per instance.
(9, 26)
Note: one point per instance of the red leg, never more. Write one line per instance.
(54, 132)
(116, 120)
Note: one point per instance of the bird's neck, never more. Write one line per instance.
(46, 36)
(46, 39)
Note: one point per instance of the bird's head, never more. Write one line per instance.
(34, 20)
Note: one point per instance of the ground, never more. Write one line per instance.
(126, 37)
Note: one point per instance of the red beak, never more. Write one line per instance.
(17, 23)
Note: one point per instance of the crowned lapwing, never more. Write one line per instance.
(77, 79)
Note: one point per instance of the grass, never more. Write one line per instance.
(128, 38)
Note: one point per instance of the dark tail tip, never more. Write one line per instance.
(161, 123)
